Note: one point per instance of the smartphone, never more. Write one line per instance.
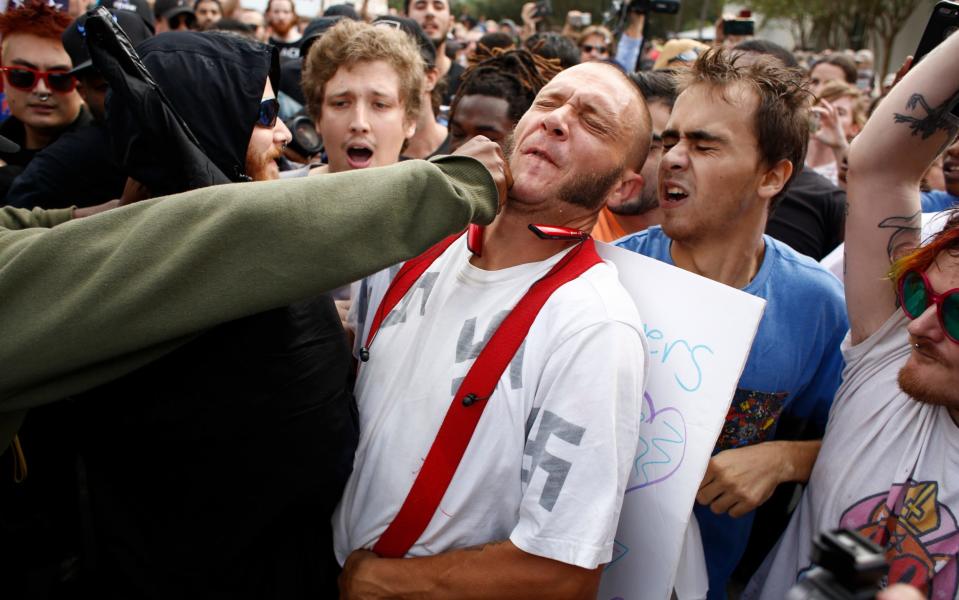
(739, 27)
(943, 22)
(544, 8)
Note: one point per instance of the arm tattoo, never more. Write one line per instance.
(904, 234)
(937, 119)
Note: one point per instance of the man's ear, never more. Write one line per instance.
(410, 129)
(774, 180)
(432, 76)
(629, 186)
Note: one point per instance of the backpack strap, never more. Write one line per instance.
(469, 401)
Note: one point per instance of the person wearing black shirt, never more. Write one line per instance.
(284, 35)
(811, 216)
(435, 17)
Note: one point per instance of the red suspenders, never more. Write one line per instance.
(467, 406)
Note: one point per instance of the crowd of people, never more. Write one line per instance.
(240, 364)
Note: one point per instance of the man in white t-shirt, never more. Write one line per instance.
(888, 465)
(533, 505)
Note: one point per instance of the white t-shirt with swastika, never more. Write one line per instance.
(547, 465)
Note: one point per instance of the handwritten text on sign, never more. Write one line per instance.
(698, 333)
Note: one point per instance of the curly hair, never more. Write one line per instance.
(349, 43)
(515, 75)
(781, 121)
(34, 17)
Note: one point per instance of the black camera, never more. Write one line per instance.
(544, 8)
(666, 7)
(618, 14)
(847, 567)
(306, 141)
(741, 27)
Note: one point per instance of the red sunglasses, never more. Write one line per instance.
(25, 78)
(916, 295)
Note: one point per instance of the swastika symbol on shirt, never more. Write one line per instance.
(468, 349)
(556, 468)
(398, 314)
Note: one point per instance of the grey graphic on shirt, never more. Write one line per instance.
(529, 427)
(364, 297)
(556, 468)
(398, 314)
(363, 302)
(468, 349)
(516, 369)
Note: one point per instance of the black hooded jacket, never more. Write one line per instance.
(212, 472)
(215, 82)
(181, 115)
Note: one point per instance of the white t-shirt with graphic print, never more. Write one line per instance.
(547, 465)
(888, 468)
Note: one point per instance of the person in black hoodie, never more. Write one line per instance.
(213, 471)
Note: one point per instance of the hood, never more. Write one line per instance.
(151, 141)
(215, 82)
(154, 143)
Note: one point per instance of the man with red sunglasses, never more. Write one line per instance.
(888, 465)
(79, 168)
(35, 79)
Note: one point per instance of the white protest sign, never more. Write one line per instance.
(699, 333)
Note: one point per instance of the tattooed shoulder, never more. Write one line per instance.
(937, 118)
(904, 234)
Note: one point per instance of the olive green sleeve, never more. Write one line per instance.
(92, 299)
(21, 218)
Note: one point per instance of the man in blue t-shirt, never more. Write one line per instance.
(736, 136)
(938, 200)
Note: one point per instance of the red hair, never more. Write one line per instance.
(35, 17)
(921, 258)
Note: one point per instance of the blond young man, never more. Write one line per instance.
(363, 88)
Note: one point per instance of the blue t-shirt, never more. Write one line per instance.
(794, 367)
(937, 200)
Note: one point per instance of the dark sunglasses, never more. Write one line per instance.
(587, 48)
(916, 295)
(269, 111)
(25, 78)
(180, 20)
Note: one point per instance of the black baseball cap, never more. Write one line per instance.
(413, 29)
(167, 9)
(140, 7)
(75, 44)
(314, 31)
